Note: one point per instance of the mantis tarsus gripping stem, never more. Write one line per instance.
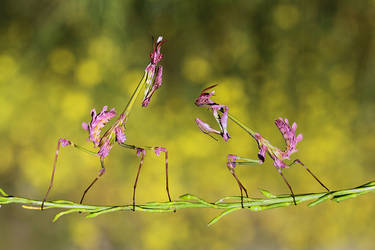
(141, 151)
(290, 188)
(53, 173)
(166, 176)
(101, 172)
(308, 170)
(232, 160)
(231, 164)
(242, 188)
(61, 142)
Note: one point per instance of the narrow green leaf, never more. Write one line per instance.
(226, 212)
(371, 183)
(57, 216)
(245, 199)
(2, 192)
(320, 200)
(192, 197)
(255, 208)
(281, 204)
(267, 194)
(187, 196)
(32, 207)
(226, 198)
(345, 197)
(64, 202)
(103, 211)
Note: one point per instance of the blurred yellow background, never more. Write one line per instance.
(309, 61)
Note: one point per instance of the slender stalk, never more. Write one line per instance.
(228, 204)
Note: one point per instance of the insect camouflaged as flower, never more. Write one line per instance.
(152, 79)
(278, 156)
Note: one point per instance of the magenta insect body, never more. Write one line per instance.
(265, 147)
(152, 78)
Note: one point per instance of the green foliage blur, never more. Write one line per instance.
(309, 61)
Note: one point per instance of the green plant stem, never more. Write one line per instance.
(228, 204)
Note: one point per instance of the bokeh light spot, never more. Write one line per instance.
(31, 161)
(286, 16)
(5, 112)
(8, 67)
(340, 80)
(85, 234)
(196, 69)
(7, 158)
(61, 60)
(231, 91)
(89, 73)
(130, 80)
(75, 105)
(102, 49)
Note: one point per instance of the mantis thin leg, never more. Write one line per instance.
(157, 150)
(166, 175)
(241, 187)
(308, 170)
(101, 172)
(142, 152)
(231, 165)
(55, 161)
(290, 188)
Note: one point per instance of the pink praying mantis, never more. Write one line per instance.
(152, 79)
(278, 156)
